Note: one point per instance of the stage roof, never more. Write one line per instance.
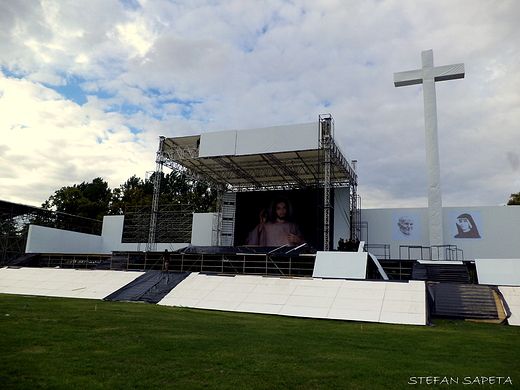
(278, 156)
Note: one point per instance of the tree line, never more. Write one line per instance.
(514, 199)
(95, 199)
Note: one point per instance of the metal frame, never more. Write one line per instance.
(15, 218)
(325, 167)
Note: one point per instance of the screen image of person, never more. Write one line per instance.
(466, 227)
(276, 227)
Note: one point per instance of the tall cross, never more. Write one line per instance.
(427, 76)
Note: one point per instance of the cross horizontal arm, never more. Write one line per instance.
(410, 77)
(438, 73)
(448, 72)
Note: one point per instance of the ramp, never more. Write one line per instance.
(512, 297)
(67, 283)
(356, 300)
(150, 287)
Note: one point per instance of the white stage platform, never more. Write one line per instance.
(512, 297)
(371, 301)
(68, 283)
(356, 300)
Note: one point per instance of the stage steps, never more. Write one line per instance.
(442, 273)
(466, 301)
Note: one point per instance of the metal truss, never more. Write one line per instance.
(325, 167)
(15, 220)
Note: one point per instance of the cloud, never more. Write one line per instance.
(105, 78)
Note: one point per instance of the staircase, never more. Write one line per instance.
(442, 273)
(466, 301)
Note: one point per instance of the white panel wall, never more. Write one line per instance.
(341, 215)
(503, 272)
(43, 239)
(48, 240)
(202, 229)
(500, 230)
(348, 265)
(278, 139)
(219, 143)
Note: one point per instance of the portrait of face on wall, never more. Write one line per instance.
(466, 225)
(277, 218)
(406, 227)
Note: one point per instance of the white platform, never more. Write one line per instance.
(499, 272)
(387, 302)
(345, 265)
(512, 297)
(68, 283)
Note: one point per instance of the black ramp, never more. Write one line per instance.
(150, 287)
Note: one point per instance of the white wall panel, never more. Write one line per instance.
(202, 229)
(49, 240)
(501, 272)
(43, 239)
(219, 143)
(341, 215)
(278, 139)
(347, 265)
(499, 231)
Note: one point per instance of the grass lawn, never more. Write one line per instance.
(58, 343)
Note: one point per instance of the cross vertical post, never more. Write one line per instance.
(427, 76)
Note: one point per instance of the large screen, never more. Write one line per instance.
(276, 218)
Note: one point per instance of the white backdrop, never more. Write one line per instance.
(499, 230)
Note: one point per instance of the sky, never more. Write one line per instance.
(88, 86)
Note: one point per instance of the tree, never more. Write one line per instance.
(514, 199)
(90, 200)
(95, 199)
(180, 189)
(134, 192)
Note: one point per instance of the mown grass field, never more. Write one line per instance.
(57, 343)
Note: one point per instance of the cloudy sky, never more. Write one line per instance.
(88, 86)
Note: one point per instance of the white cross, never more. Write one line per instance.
(427, 76)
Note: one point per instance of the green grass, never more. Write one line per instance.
(57, 343)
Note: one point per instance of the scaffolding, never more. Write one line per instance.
(172, 223)
(324, 167)
(14, 225)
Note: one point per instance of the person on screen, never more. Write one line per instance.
(275, 227)
(466, 227)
